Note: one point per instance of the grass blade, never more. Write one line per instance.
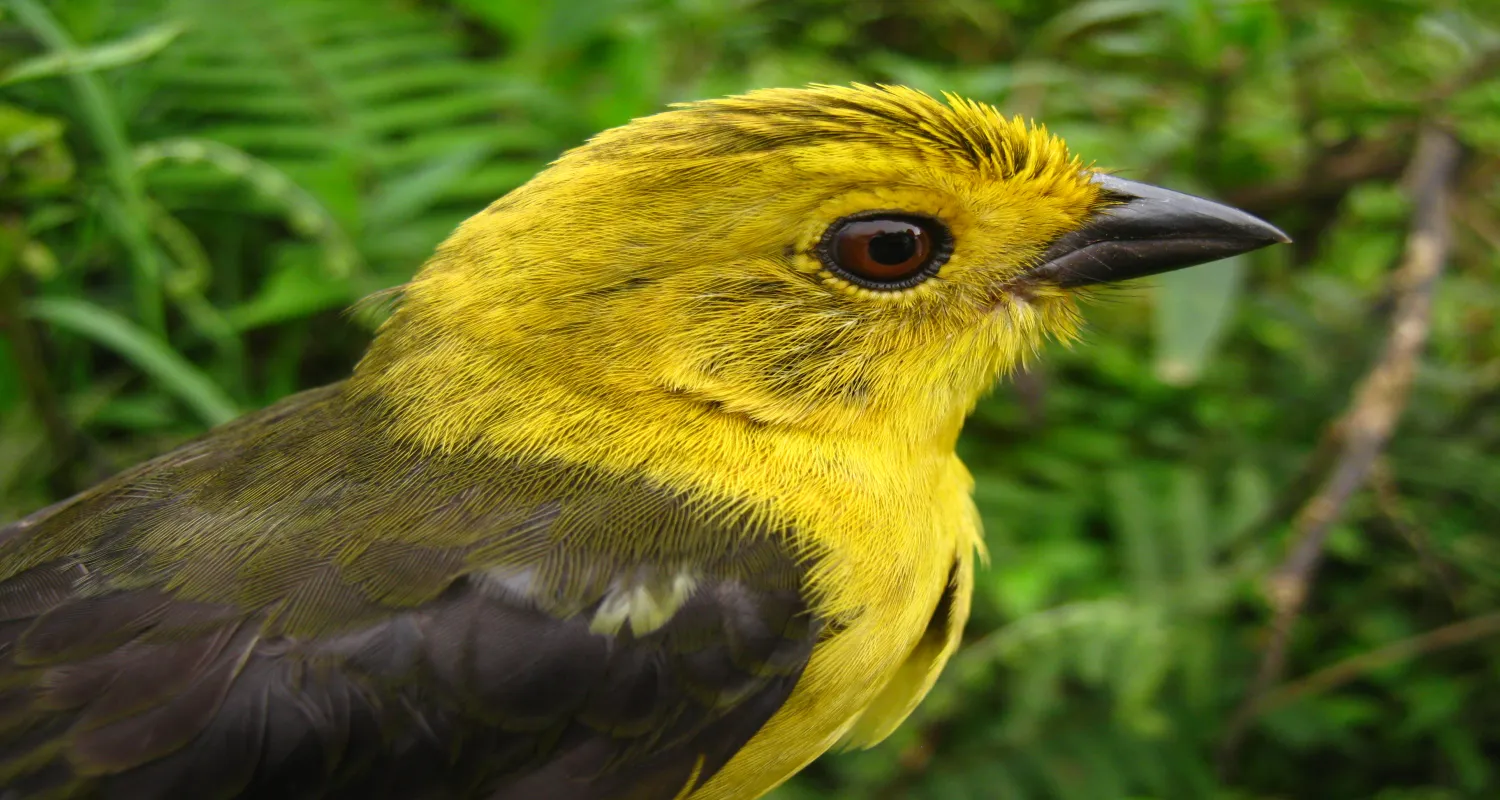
(166, 366)
(100, 57)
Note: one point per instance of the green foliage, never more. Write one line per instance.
(191, 191)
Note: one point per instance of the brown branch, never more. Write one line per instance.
(1480, 69)
(1331, 175)
(1336, 675)
(1364, 429)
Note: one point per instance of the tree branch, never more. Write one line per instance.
(1364, 429)
(1388, 502)
(1336, 675)
(1331, 175)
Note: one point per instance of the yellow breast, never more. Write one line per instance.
(893, 540)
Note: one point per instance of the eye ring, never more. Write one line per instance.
(885, 250)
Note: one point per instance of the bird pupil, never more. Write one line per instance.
(895, 247)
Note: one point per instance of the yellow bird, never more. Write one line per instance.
(646, 489)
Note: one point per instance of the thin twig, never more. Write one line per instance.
(1387, 495)
(1332, 174)
(1363, 430)
(1338, 674)
(1482, 68)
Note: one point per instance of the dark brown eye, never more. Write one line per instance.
(882, 250)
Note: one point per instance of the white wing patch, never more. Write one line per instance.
(647, 602)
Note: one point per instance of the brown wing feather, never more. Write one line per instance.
(295, 607)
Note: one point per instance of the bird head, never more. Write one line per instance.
(843, 259)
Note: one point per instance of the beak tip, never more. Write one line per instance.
(1256, 232)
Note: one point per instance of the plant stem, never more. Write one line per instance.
(131, 219)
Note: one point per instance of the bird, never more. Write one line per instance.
(645, 489)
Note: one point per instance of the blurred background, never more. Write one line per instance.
(193, 192)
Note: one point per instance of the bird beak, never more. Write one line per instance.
(1150, 230)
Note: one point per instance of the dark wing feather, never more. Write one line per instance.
(295, 606)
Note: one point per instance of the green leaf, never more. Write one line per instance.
(409, 195)
(1094, 14)
(1193, 307)
(1193, 532)
(1134, 520)
(1249, 495)
(153, 356)
(135, 48)
(22, 130)
(34, 156)
(293, 291)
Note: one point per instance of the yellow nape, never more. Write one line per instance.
(660, 301)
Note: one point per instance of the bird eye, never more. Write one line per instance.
(881, 250)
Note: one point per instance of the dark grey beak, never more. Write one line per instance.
(1152, 230)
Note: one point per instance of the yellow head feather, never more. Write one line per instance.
(671, 261)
